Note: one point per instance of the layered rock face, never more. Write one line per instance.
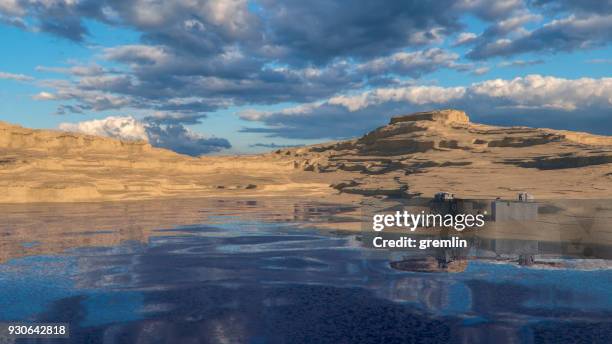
(16, 138)
(417, 154)
(422, 153)
(55, 166)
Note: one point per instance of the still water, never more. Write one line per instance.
(243, 271)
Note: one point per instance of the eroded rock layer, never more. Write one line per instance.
(417, 154)
(426, 152)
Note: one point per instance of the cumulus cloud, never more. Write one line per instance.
(124, 128)
(546, 92)
(161, 80)
(413, 94)
(327, 30)
(583, 6)
(183, 140)
(490, 10)
(163, 20)
(44, 96)
(349, 115)
(534, 99)
(230, 53)
(481, 70)
(413, 64)
(138, 54)
(175, 137)
(465, 38)
(567, 34)
(87, 97)
(194, 57)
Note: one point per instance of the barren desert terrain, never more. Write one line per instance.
(414, 155)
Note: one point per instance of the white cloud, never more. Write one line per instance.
(175, 137)
(16, 77)
(432, 36)
(11, 7)
(565, 34)
(532, 91)
(137, 54)
(88, 96)
(515, 22)
(481, 70)
(125, 128)
(548, 92)
(464, 38)
(490, 10)
(418, 95)
(411, 63)
(534, 100)
(44, 96)
(256, 115)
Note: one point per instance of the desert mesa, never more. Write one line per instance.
(414, 155)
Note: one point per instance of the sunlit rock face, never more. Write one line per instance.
(414, 155)
(427, 152)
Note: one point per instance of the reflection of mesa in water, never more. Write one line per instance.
(42, 229)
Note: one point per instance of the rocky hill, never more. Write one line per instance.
(423, 153)
(56, 166)
(417, 154)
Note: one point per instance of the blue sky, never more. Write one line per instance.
(233, 76)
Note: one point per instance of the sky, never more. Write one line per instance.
(237, 76)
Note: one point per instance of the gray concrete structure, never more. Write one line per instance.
(514, 211)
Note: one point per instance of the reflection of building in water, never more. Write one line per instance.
(430, 264)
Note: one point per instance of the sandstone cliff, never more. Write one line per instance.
(427, 152)
(417, 154)
(55, 166)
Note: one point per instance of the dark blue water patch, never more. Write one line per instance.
(474, 320)
(514, 298)
(552, 288)
(110, 307)
(574, 332)
(291, 313)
